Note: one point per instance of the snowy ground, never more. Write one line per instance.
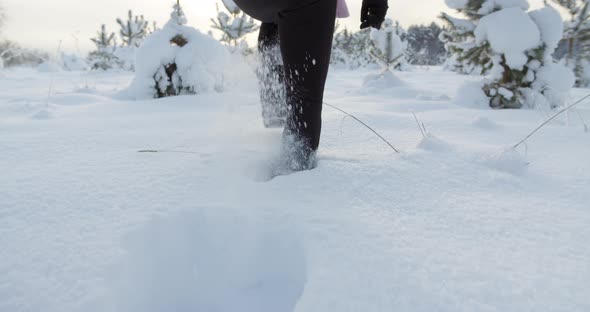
(456, 222)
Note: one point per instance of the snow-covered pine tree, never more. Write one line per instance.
(4, 51)
(133, 30)
(233, 26)
(424, 46)
(104, 56)
(340, 45)
(168, 80)
(346, 45)
(403, 35)
(72, 62)
(154, 27)
(104, 39)
(465, 57)
(577, 37)
(523, 73)
(361, 44)
(351, 48)
(177, 60)
(8, 50)
(387, 48)
(12, 54)
(400, 31)
(177, 17)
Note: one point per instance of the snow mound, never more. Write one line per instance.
(434, 98)
(434, 144)
(201, 63)
(508, 160)
(556, 82)
(471, 95)
(73, 62)
(510, 32)
(43, 114)
(382, 81)
(49, 67)
(76, 99)
(218, 261)
(484, 123)
(126, 57)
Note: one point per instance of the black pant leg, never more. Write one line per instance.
(306, 43)
(271, 76)
(268, 36)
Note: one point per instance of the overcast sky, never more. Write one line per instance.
(43, 23)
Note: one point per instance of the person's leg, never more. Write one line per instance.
(271, 76)
(306, 29)
(306, 43)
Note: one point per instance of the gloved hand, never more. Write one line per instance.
(373, 13)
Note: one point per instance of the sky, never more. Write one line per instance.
(44, 24)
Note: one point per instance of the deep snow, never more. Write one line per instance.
(457, 222)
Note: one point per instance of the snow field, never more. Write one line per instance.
(457, 222)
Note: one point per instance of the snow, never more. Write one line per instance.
(557, 80)
(507, 160)
(550, 24)
(73, 62)
(505, 93)
(259, 264)
(379, 38)
(510, 32)
(49, 67)
(458, 221)
(484, 123)
(490, 6)
(470, 94)
(586, 70)
(392, 46)
(463, 25)
(177, 17)
(381, 81)
(388, 49)
(126, 57)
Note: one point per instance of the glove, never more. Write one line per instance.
(373, 13)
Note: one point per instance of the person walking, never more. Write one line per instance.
(303, 31)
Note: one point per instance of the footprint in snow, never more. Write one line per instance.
(199, 262)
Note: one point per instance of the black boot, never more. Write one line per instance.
(271, 77)
(306, 43)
